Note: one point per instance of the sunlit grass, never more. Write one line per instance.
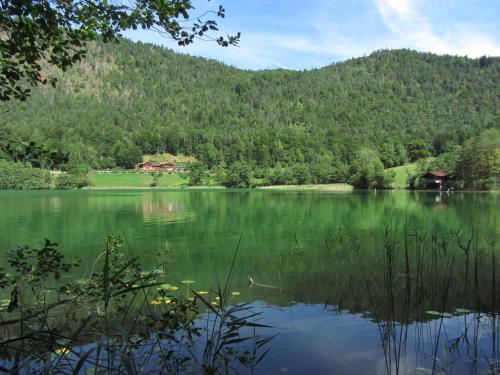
(135, 180)
(317, 187)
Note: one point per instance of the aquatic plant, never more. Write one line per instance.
(118, 318)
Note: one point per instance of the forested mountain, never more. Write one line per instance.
(131, 98)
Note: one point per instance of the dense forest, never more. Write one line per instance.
(333, 124)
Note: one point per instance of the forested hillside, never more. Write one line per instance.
(127, 99)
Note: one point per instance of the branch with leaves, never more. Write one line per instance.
(37, 33)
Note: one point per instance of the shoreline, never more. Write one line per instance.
(217, 187)
(340, 188)
(308, 187)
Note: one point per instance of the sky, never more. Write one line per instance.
(306, 34)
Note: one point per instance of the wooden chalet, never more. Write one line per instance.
(435, 180)
(152, 165)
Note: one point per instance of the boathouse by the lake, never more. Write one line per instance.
(435, 180)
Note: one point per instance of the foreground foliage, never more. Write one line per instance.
(42, 32)
(118, 318)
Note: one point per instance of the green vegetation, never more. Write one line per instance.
(367, 171)
(401, 174)
(239, 175)
(473, 166)
(138, 180)
(196, 173)
(477, 163)
(69, 181)
(16, 176)
(44, 33)
(121, 310)
(125, 101)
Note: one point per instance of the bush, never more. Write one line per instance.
(71, 181)
(239, 175)
(367, 171)
(156, 177)
(196, 173)
(16, 176)
(281, 176)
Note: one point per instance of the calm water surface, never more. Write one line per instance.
(348, 293)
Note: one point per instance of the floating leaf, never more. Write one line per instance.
(446, 315)
(165, 299)
(463, 311)
(62, 351)
(235, 293)
(214, 303)
(217, 298)
(284, 369)
(168, 287)
(156, 302)
(202, 292)
(187, 281)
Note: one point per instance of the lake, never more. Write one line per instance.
(361, 282)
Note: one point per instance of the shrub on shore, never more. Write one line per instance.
(70, 181)
(16, 176)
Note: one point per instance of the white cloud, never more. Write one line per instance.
(411, 28)
(399, 9)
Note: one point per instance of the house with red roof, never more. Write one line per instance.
(435, 180)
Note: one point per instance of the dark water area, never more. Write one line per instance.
(362, 282)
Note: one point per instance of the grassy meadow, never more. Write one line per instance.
(401, 175)
(135, 180)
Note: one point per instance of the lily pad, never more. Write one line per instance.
(62, 351)
(463, 311)
(235, 293)
(202, 292)
(168, 287)
(187, 281)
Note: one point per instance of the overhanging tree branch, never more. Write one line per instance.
(55, 32)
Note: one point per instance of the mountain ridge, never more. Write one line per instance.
(148, 97)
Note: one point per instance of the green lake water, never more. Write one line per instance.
(322, 253)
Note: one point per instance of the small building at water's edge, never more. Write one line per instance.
(435, 180)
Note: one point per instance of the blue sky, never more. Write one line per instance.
(304, 34)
